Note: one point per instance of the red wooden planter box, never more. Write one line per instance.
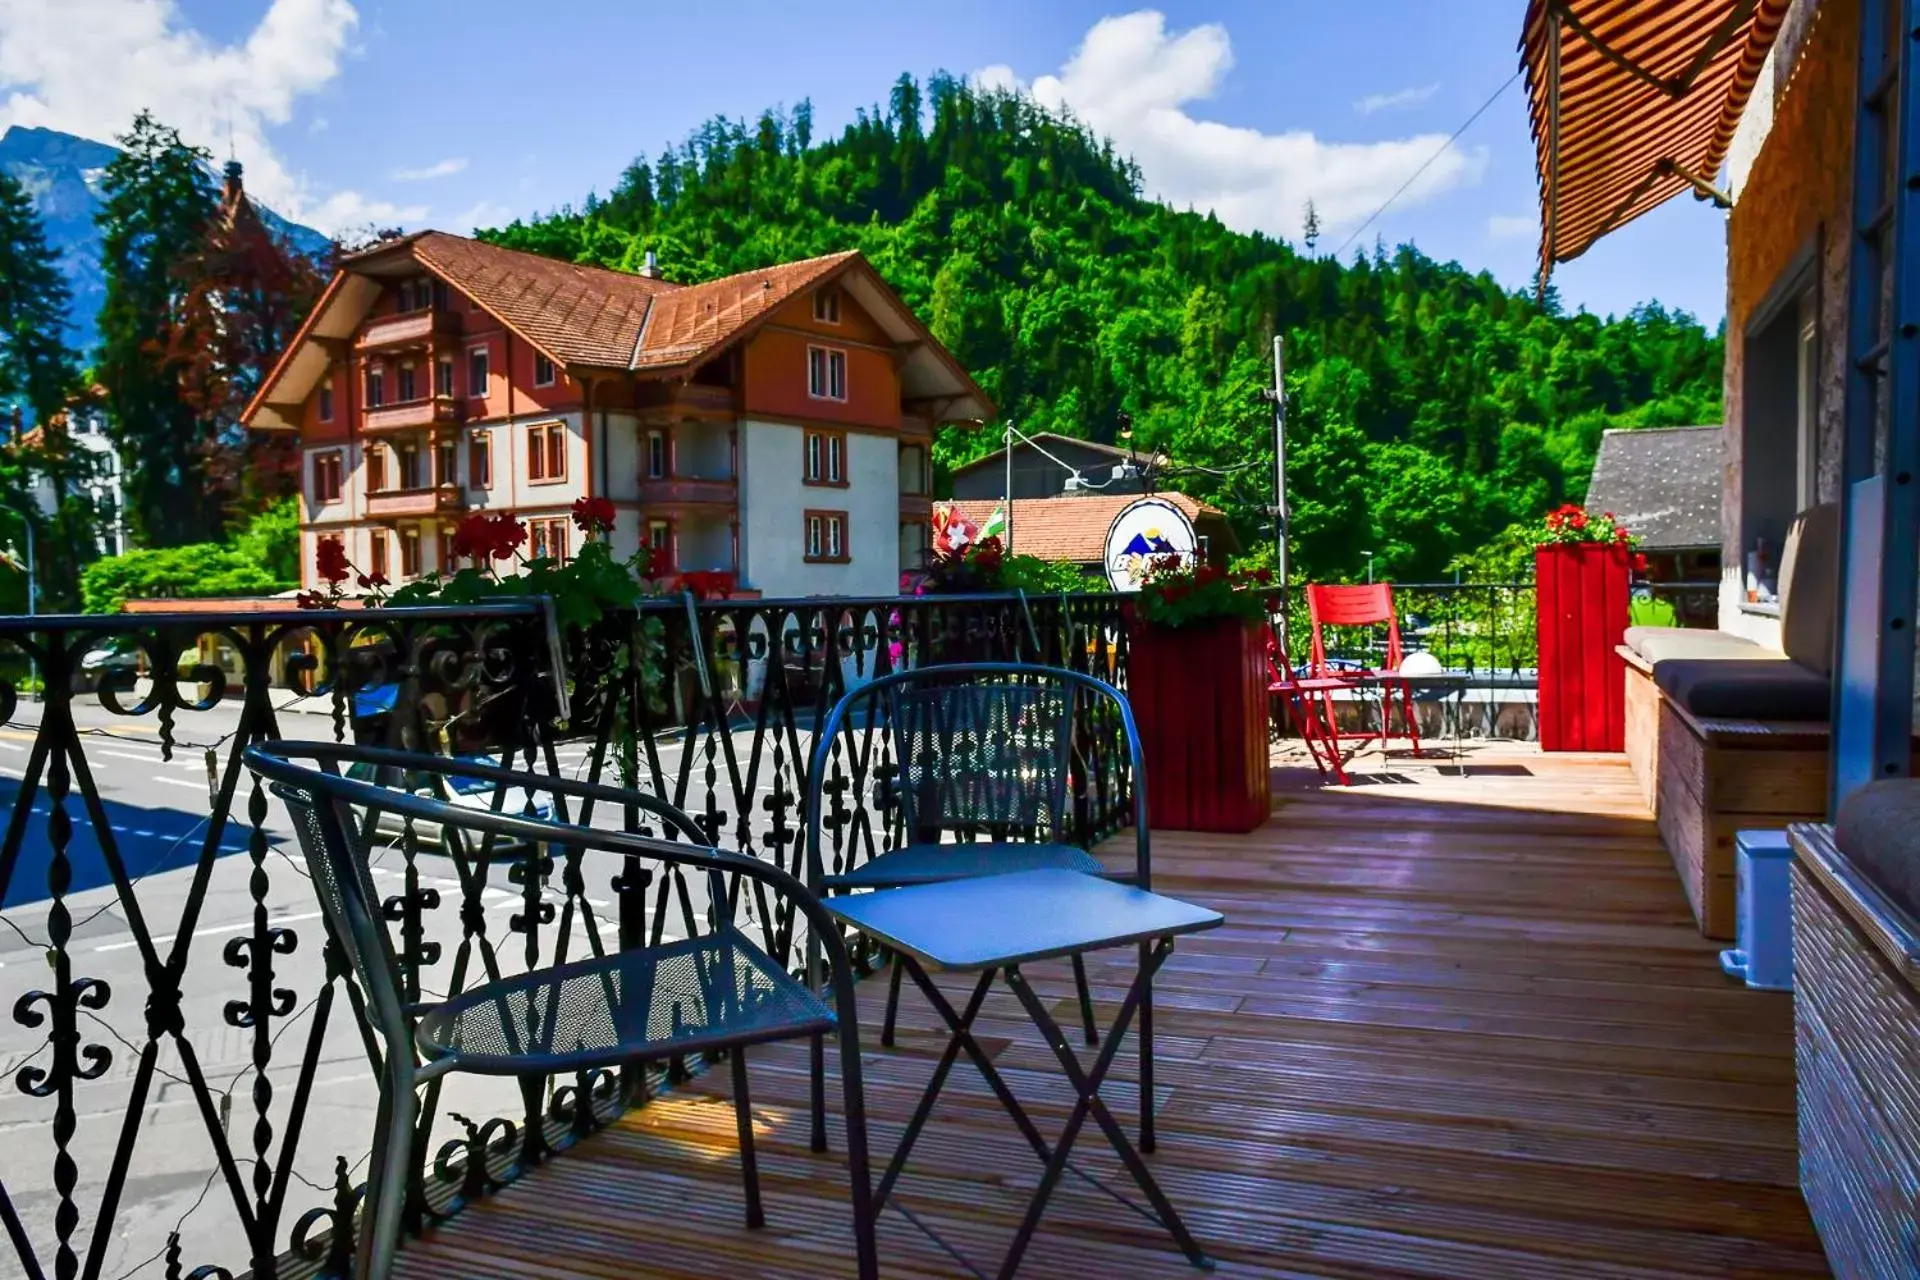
(1581, 598)
(1199, 697)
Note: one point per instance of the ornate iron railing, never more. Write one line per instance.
(190, 1067)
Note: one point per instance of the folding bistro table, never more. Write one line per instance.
(992, 925)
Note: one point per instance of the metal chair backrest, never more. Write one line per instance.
(983, 751)
(1006, 747)
(1361, 605)
(323, 803)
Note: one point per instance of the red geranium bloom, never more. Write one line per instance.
(368, 581)
(483, 536)
(330, 560)
(1639, 562)
(310, 600)
(593, 515)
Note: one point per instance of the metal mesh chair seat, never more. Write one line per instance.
(932, 863)
(678, 998)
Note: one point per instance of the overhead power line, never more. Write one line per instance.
(1428, 162)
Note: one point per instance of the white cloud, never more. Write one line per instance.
(1412, 96)
(486, 213)
(438, 169)
(1513, 226)
(1133, 81)
(89, 66)
(996, 78)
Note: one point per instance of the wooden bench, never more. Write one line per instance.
(1706, 779)
(1856, 1012)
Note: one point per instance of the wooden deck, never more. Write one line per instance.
(1455, 1027)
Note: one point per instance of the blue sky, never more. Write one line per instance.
(456, 112)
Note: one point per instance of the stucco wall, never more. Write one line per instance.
(1794, 196)
(772, 534)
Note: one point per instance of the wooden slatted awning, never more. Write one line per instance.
(1633, 102)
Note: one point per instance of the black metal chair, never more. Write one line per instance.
(712, 991)
(994, 754)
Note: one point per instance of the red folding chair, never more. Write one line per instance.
(1366, 605)
(1299, 694)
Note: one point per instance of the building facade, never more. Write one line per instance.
(775, 425)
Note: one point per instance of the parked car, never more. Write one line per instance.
(466, 792)
(114, 662)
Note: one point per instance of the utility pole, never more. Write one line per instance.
(1006, 536)
(1279, 508)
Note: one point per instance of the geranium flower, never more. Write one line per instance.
(593, 515)
(330, 561)
(482, 536)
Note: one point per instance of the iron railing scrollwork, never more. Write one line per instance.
(178, 1017)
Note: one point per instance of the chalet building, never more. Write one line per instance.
(775, 425)
(1043, 464)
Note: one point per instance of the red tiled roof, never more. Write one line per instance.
(577, 315)
(693, 320)
(1073, 529)
(593, 317)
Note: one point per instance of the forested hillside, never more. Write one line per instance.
(1431, 408)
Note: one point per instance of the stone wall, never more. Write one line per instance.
(1794, 197)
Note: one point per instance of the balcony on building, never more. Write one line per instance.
(415, 503)
(408, 329)
(427, 411)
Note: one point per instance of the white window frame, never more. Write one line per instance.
(815, 536)
(815, 467)
(830, 360)
(836, 459)
(658, 465)
(376, 387)
(1807, 408)
(486, 372)
(836, 538)
(439, 364)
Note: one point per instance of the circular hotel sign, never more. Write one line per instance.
(1143, 532)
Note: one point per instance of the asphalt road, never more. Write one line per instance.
(156, 810)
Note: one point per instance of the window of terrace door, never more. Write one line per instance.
(1780, 436)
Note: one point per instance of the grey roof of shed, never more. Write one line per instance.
(1663, 483)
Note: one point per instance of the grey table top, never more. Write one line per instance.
(990, 922)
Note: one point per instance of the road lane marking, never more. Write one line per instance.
(206, 931)
(181, 782)
(10, 746)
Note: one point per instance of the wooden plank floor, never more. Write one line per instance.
(1454, 1027)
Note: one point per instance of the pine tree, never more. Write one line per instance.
(37, 376)
(158, 205)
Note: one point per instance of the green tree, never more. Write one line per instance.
(197, 570)
(1430, 406)
(38, 376)
(156, 212)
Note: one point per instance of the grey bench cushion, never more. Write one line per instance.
(1744, 688)
(1663, 644)
(1879, 830)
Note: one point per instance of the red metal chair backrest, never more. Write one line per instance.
(1367, 604)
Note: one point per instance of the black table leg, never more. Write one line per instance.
(1087, 1085)
(962, 1025)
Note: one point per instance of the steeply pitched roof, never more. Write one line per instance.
(592, 317)
(693, 320)
(1073, 529)
(577, 315)
(1663, 483)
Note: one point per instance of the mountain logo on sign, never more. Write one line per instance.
(1149, 542)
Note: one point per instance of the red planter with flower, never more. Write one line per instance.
(1197, 681)
(1582, 566)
